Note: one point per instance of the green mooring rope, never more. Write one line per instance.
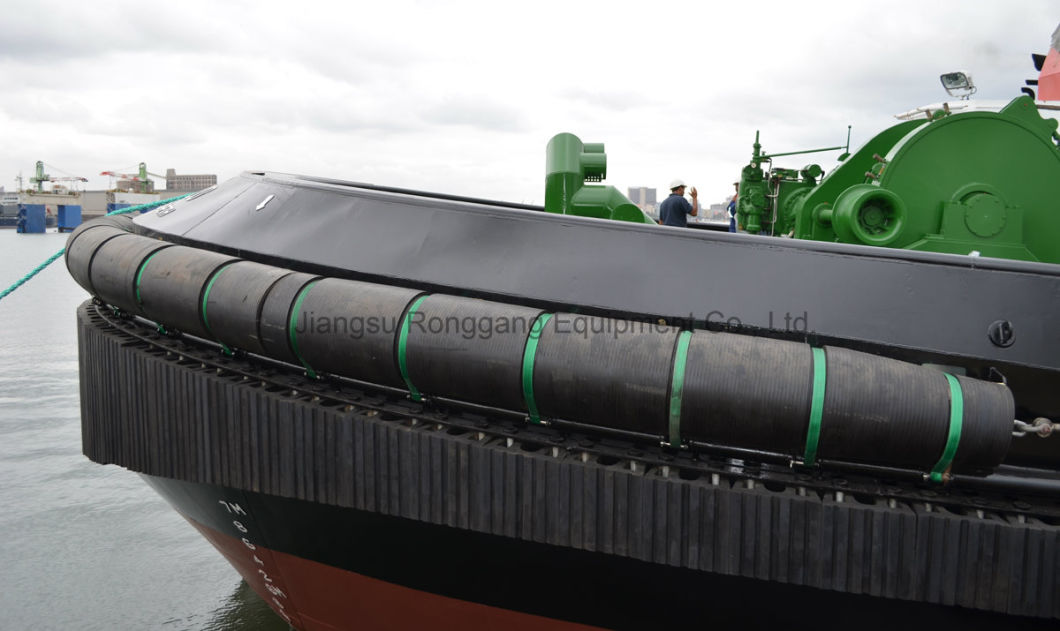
(22, 281)
(37, 270)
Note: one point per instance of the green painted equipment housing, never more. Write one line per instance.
(570, 163)
(978, 182)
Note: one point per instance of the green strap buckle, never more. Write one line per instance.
(529, 353)
(956, 425)
(292, 327)
(677, 387)
(140, 274)
(813, 433)
(206, 294)
(403, 340)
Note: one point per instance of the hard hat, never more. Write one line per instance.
(677, 183)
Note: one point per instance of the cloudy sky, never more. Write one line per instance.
(462, 97)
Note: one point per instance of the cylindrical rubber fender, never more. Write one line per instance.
(469, 349)
(171, 285)
(350, 328)
(745, 391)
(233, 302)
(276, 315)
(116, 266)
(604, 371)
(883, 411)
(81, 248)
(986, 432)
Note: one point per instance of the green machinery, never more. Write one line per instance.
(960, 183)
(40, 177)
(569, 164)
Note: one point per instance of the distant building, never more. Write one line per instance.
(644, 198)
(188, 183)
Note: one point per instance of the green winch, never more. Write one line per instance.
(979, 182)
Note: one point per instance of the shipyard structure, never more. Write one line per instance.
(60, 205)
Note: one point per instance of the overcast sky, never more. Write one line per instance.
(462, 97)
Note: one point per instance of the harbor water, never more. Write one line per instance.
(85, 546)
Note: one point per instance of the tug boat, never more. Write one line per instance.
(395, 409)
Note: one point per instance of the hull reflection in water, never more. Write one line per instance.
(245, 611)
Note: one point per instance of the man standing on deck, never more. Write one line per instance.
(731, 208)
(675, 209)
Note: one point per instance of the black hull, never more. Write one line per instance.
(545, 586)
(557, 526)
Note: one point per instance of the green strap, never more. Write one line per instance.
(956, 423)
(677, 388)
(528, 366)
(403, 340)
(206, 294)
(292, 327)
(813, 434)
(206, 297)
(140, 274)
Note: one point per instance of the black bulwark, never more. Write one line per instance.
(650, 532)
(924, 307)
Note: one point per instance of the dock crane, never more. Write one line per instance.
(41, 177)
(141, 177)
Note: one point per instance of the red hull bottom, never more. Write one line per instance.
(314, 596)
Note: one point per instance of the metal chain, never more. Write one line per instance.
(1041, 426)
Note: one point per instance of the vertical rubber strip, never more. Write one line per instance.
(813, 433)
(403, 340)
(677, 387)
(292, 324)
(528, 366)
(956, 425)
(140, 275)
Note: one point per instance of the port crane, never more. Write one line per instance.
(40, 177)
(141, 177)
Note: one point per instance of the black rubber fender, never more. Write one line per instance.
(603, 371)
(117, 264)
(747, 391)
(883, 411)
(81, 247)
(469, 349)
(171, 285)
(276, 315)
(350, 328)
(233, 303)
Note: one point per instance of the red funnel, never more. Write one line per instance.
(1049, 80)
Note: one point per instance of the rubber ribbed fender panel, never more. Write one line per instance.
(350, 328)
(469, 349)
(171, 285)
(235, 301)
(747, 391)
(194, 423)
(603, 371)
